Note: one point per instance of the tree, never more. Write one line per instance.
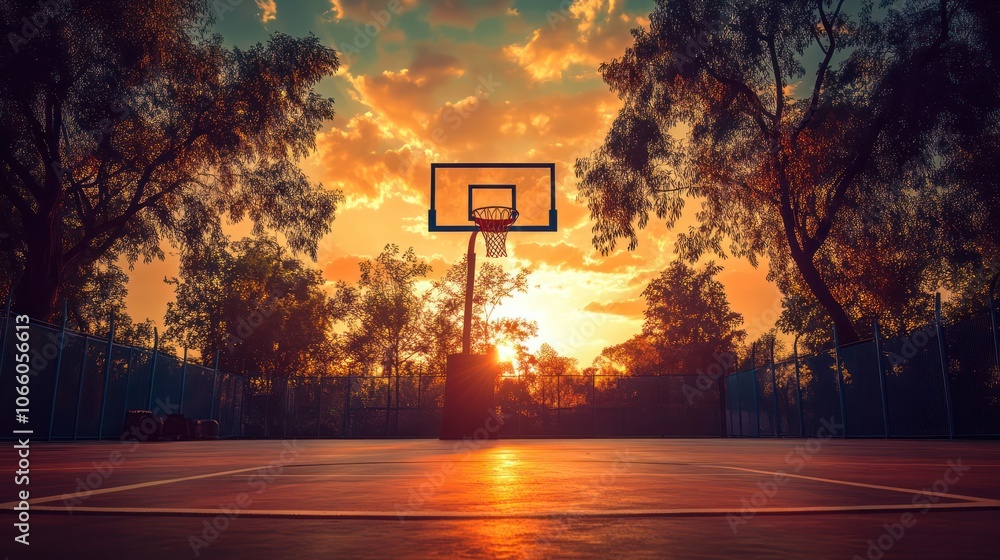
(260, 308)
(638, 355)
(128, 124)
(383, 312)
(493, 287)
(94, 298)
(688, 319)
(796, 119)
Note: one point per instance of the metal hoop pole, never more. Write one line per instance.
(469, 285)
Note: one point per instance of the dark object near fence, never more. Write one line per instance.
(176, 426)
(193, 428)
(208, 429)
(141, 425)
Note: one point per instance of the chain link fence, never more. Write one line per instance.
(941, 380)
(938, 381)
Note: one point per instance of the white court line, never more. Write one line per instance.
(459, 515)
(422, 475)
(863, 485)
(47, 499)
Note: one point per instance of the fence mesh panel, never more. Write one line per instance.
(899, 381)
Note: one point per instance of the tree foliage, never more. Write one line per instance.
(811, 136)
(493, 287)
(688, 325)
(128, 124)
(255, 305)
(383, 312)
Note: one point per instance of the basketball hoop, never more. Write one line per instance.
(495, 222)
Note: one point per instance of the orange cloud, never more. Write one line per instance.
(586, 33)
(566, 256)
(407, 96)
(268, 10)
(368, 161)
(631, 308)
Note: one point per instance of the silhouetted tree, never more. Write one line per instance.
(494, 285)
(129, 124)
(260, 307)
(688, 319)
(383, 311)
(100, 293)
(638, 355)
(792, 122)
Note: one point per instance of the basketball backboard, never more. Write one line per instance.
(459, 188)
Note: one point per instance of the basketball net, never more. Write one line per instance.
(495, 222)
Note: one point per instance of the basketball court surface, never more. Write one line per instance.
(636, 498)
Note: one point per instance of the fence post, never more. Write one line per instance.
(395, 423)
(739, 402)
(558, 404)
(3, 335)
(128, 379)
(215, 381)
(79, 390)
(593, 401)
(993, 318)
(420, 409)
(798, 388)
(840, 382)
(284, 408)
(243, 402)
(618, 386)
(184, 371)
(347, 406)
(107, 374)
(881, 379)
(944, 364)
(55, 383)
(774, 393)
(319, 405)
(267, 406)
(152, 370)
(753, 378)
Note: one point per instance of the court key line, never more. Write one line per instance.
(863, 485)
(85, 495)
(458, 515)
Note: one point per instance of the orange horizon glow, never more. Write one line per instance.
(521, 91)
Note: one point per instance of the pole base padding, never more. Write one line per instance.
(469, 410)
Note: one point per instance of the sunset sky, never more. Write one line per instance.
(406, 97)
